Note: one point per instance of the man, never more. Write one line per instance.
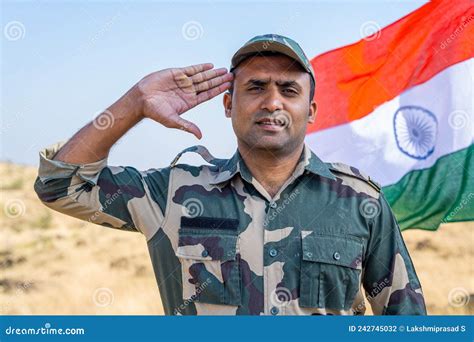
(271, 231)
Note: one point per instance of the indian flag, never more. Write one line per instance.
(398, 105)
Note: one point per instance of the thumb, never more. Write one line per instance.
(187, 126)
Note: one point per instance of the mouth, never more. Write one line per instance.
(271, 122)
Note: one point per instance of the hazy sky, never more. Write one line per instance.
(63, 62)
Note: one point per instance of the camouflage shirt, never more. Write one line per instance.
(219, 243)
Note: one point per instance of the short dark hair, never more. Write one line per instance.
(312, 86)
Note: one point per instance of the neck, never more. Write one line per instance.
(270, 169)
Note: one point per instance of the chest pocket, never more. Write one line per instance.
(330, 271)
(209, 261)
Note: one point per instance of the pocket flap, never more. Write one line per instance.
(336, 250)
(208, 245)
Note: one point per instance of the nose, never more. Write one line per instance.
(272, 100)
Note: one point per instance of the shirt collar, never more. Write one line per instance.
(308, 161)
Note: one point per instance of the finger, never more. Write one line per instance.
(213, 92)
(207, 75)
(215, 82)
(194, 69)
(181, 79)
(187, 126)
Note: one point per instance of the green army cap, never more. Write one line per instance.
(273, 43)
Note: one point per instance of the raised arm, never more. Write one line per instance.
(74, 177)
(161, 96)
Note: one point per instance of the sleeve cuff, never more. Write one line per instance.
(54, 169)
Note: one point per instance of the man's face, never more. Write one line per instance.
(270, 106)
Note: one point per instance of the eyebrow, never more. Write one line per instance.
(263, 82)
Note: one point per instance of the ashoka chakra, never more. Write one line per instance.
(415, 131)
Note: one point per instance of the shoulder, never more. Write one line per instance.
(356, 179)
(196, 173)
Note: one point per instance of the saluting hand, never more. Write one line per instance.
(168, 93)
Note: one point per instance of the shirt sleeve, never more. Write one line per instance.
(112, 196)
(390, 281)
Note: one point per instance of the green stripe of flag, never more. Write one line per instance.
(442, 193)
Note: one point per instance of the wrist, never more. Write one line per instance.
(133, 102)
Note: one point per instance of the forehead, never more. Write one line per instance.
(278, 67)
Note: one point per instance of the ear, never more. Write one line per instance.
(227, 99)
(313, 108)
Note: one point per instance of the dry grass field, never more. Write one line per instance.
(54, 264)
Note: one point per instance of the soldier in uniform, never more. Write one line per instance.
(271, 231)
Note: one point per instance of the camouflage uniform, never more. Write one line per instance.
(219, 244)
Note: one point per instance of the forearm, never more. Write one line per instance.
(94, 141)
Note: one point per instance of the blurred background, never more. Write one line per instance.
(64, 62)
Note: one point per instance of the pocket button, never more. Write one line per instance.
(336, 256)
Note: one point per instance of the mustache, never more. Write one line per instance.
(279, 117)
(272, 116)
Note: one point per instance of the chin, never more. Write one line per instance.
(271, 144)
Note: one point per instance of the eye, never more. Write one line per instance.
(255, 88)
(290, 91)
